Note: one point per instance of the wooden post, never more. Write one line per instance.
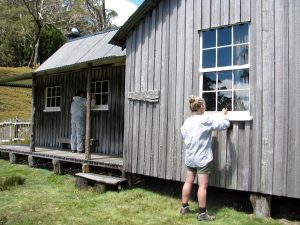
(13, 158)
(261, 205)
(10, 130)
(88, 115)
(85, 168)
(57, 166)
(31, 161)
(33, 108)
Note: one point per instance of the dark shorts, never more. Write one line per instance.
(202, 170)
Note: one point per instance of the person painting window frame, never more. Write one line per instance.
(197, 135)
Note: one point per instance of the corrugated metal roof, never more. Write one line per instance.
(89, 49)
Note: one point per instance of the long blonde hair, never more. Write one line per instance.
(195, 103)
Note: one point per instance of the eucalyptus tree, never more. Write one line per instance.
(43, 12)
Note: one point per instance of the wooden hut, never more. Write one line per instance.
(242, 54)
(82, 62)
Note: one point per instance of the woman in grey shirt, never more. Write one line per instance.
(196, 132)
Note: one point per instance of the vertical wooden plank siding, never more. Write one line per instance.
(256, 82)
(251, 155)
(281, 97)
(243, 159)
(136, 105)
(197, 14)
(183, 19)
(268, 96)
(245, 10)
(157, 86)
(293, 175)
(143, 105)
(129, 112)
(235, 11)
(171, 100)
(163, 126)
(215, 13)
(188, 71)
(149, 155)
(224, 14)
(206, 14)
(53, 125)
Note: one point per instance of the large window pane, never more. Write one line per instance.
(105, 86)
(104, 99)
(98, 87)
(58, 101)
(53, 102)
(225, 80)
(98, 99)
(240, 55)
(210, 100)
(48, 102)
(240, 34)
(224, 36)
(241, 79)
(209, 58)
(209, 81)
(241, 100)
(224, 56)
(58, 91)
(209, 39)
(224, 100)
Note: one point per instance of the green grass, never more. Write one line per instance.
(6, 72)
(46, 198)
(14, 102)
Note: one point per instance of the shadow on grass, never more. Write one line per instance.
(218, 198)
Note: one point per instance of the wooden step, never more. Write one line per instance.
(102, 178)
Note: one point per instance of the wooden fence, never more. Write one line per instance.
(14, 130)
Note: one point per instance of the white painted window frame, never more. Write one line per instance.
(233, 115)
(100, 107)
(51, 109)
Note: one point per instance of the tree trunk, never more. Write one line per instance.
(35, 48)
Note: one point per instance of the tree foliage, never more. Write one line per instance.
(32, 30)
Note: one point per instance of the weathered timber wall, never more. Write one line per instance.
(106, 126)
(163, 55)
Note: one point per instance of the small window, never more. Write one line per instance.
(224, 67)
(100, 91)
(53, 98)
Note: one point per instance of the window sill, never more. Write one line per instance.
(100, 108)
(51, 110)
(232, 116)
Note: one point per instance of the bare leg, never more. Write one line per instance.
(187, 187)
(203, 183)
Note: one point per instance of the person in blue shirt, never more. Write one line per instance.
(78, 110)
(197, 135)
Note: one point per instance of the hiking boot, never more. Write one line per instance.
(184, 210)
(205, 217)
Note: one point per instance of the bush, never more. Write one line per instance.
(7, 182)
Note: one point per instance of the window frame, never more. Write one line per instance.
(49, 108)
(101, 107)
(233, 115)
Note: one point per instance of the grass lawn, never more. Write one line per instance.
(14, 102)
(46, 198)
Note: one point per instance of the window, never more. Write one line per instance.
(224, 68)
(100, 91)
(53, 96)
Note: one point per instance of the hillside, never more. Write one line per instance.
(14, 102)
